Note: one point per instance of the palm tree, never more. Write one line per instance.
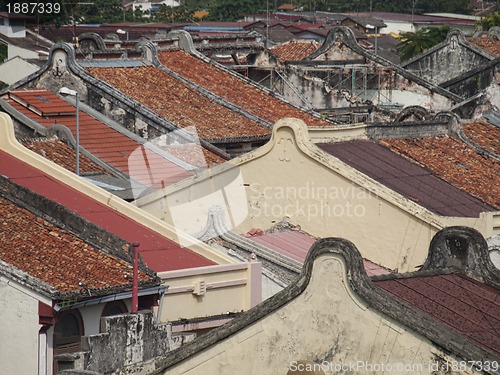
(414, 43)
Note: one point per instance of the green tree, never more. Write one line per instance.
(181, 13)
(415, 43)
(3, 53)
(490, 21)
(233, 10)
(95, 11)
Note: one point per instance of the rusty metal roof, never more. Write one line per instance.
(408, 179)
(160, 253)
(296, 245)
(465, 305)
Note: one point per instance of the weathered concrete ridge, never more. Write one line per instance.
(455, 53)
(348, 319)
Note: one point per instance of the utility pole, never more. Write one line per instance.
(135, 280)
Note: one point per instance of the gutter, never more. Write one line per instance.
(113, 297)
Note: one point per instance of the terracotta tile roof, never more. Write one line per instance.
(54, 255)
(296, 245)
(490, 45)
(107, 144)
(179, 103)
(409, 179)
(465, 305)
(233, 89)
(454, 162)
(195, 155)
(63, 155)
(484, 134)
(294, 50)
(159, 252)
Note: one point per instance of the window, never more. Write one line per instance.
(68, 332)
(114, 308)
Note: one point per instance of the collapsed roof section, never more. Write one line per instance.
(342, 76)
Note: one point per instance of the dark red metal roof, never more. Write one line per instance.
(468, 306)
(296, 245)
(407, 178)
(160, 253)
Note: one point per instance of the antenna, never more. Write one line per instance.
(267, 24)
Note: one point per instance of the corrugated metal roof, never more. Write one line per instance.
(110, 63)
(469, 307)
(493, 118)
(296, 245)
(159, 253)
(408, 179)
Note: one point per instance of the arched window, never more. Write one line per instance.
(68, 332)
(114, 308)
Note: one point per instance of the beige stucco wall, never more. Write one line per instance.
(18, 328)
(291, 178)
(327, 323)
(229, 289)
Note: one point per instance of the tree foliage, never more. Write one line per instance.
(109, 11)
(490, 21)
(233, 10)
(414, 43)
(398, 6)
(181, 13)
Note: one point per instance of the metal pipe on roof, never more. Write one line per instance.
(135, 279)
(67, 91)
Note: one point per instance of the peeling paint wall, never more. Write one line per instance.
(353, 86)
(127, 339)
(456, 57)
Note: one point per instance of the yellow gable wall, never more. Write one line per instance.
(291, 178)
